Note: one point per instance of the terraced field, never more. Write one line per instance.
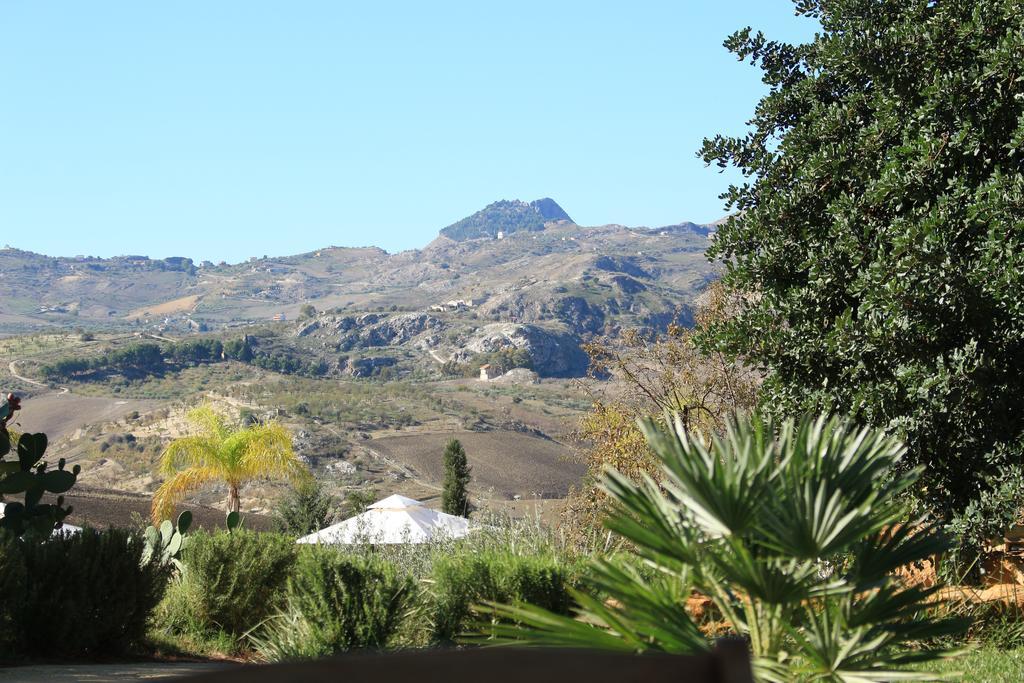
(505, 464)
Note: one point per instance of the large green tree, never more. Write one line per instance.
(876, 241)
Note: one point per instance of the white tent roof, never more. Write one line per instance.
(395, 502)
(395, 519)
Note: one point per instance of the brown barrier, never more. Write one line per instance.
(729, 662)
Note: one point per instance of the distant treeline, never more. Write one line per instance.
(136, 361)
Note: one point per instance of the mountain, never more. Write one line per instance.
(547, 286)
(507, 217)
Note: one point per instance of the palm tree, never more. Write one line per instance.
(792, 530)
(220, 453)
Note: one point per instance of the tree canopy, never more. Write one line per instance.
(876, 239)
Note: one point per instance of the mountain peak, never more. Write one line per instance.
(507, 216)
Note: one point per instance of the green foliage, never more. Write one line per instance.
(877, 245)
(288, 363)
(78, 595)
(464, 579)
(984, 521)
(29, 474)
(140, 361)
(307, 507)
(455, 496)
(335, 603)
(181, 609)
(793, 530)
(239, 577)
(164, 544)
(196, 351)
(238, 349)
(12, 587)
(132, 361)
(357, 501)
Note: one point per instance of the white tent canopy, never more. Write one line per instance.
(395, 519)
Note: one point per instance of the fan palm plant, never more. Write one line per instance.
(793, 530)
(218, 452)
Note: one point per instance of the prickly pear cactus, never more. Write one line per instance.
(166, 543)
(233, 521)
(29, 474)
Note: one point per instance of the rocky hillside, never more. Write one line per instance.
(546, 283)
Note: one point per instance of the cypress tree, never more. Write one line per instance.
(455, 499)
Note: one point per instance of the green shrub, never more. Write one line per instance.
(87, 594)
(336, 602)
(986, 518)
(239, 577)
(463, 580)
(180, 611)
(12, 588)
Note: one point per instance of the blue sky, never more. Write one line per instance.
(223, 130)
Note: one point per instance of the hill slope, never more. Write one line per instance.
(506, 217)
(545, 270)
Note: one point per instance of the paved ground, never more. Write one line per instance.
(106, 673)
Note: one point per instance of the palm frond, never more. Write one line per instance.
(189, 451)
(176, 486)
(209, 421)
(644, 615)
(266, 451)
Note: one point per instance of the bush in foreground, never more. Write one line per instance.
(336, 602)
(73, 596)
(238, 578)
(465, 579)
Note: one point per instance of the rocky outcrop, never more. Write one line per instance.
(554, 353)
(518, 376)
(307, 329)
(532, 307)
(367, 367)
(369, 330)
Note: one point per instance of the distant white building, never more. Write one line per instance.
(489, 372)
(455, 305)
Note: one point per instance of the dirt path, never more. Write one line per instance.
(13, 368)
